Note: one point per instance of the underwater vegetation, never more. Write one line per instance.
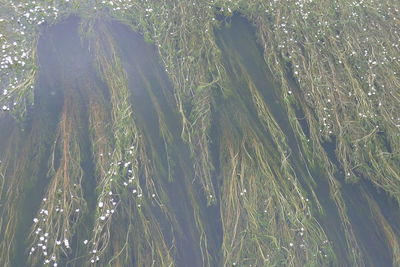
(200, 133)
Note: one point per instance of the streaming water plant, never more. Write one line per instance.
(200, 133)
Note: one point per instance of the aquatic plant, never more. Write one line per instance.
(223, 144)
(120, 187)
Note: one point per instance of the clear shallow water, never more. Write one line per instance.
(238, 45)
(65, 63)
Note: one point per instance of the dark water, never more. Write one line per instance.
(66, 64)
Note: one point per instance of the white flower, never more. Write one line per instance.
(101, 204)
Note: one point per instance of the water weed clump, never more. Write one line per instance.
(121, 198)
(61, 208)
(285, 132)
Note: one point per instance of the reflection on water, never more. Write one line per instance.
(197, 234)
